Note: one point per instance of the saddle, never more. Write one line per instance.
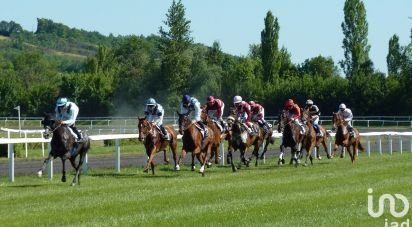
(202, 132)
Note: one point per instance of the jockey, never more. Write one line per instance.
(66, 113)
(314, 113)
(214, 109)
(243, 112)
(154, 113)
(190, 105)
(258, 115)
(293, 113)
(347, 116)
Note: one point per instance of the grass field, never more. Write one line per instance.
(329, 193)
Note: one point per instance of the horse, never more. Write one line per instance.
(343, 139)
(291, 137)
(64, 145)
(309, 140)
(149, 134)
(241, 140)
(217, 138)
(267, 137)
(322, 140)
(193, 142)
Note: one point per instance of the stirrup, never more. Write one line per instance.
(166, 137)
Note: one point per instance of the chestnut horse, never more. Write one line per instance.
(212, 124)
(322, 140)
(63, 145)
(343, 139)
(193, 142)
(309, 140)
(291, 137)
(241, 140)
(149, 134)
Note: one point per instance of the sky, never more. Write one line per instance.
(308, 28)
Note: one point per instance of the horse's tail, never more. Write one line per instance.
(360, 146)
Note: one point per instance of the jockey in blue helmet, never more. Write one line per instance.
(190, 105)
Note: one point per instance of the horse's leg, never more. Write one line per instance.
(173, 148)
(193, 161)
(182, 156)
(230, 159)
(326, 148)
(205, 159)
(78, 168)
(150, 161)
(335, 148)
(40, 172)
(281, 160)
(256, 153)
(63, 169)
(165, 159)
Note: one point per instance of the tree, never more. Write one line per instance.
(319, 66)
(394, 57)
(174, 45)
(9, 28)
(355, 41)
(269, 39)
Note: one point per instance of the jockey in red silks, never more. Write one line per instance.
(258, 115)
(293, 113)
(214, 109)
(243, 112)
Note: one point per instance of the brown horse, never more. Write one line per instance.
(149, 134)
(291, 137)
(309, 140)
(322, 140)
(241, 140)
(268, 139)
(218, 134)
(193, 142)
(343, 139)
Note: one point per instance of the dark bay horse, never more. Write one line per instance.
(193, 142)
(241, 140)
(268, 139)
(343, 139)
(63, 145)
(291, 137)
(149, 134)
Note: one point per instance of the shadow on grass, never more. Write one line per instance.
(27, 186)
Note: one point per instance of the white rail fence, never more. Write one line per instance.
(399, 136)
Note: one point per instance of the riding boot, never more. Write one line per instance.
(79, 135)
(351, 132)
(206, 134)
(165, 135)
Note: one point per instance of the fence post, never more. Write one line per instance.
(10, 147)
(25, 144)
(222, 152)
(380, 145)
(369, 147)
(117, 155)
(400, 144)
(50, 164)
(390, 144)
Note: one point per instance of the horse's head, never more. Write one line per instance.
(203, 114)
(184, 121)
(49, 124)
(306, 117)
(144, 127)
(337, 120)
(282, 118)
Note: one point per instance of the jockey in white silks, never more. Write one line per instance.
(67, 112)
(190, 105)
(347, 116)
(154, 113)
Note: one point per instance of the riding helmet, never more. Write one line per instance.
(186, 99)
(151, 102)
(289, 102)
(237, 99)
(309, 102)
(342, 106)
(61, 102)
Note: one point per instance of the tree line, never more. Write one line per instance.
(109, 76)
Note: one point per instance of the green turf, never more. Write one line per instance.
(329, 193)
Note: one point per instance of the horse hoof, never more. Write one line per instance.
(40, 173)
(73, 184)
(202, 170)
(64, 179)
(209, 164)
(145, 170)
(177, 167)
(319, 158)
